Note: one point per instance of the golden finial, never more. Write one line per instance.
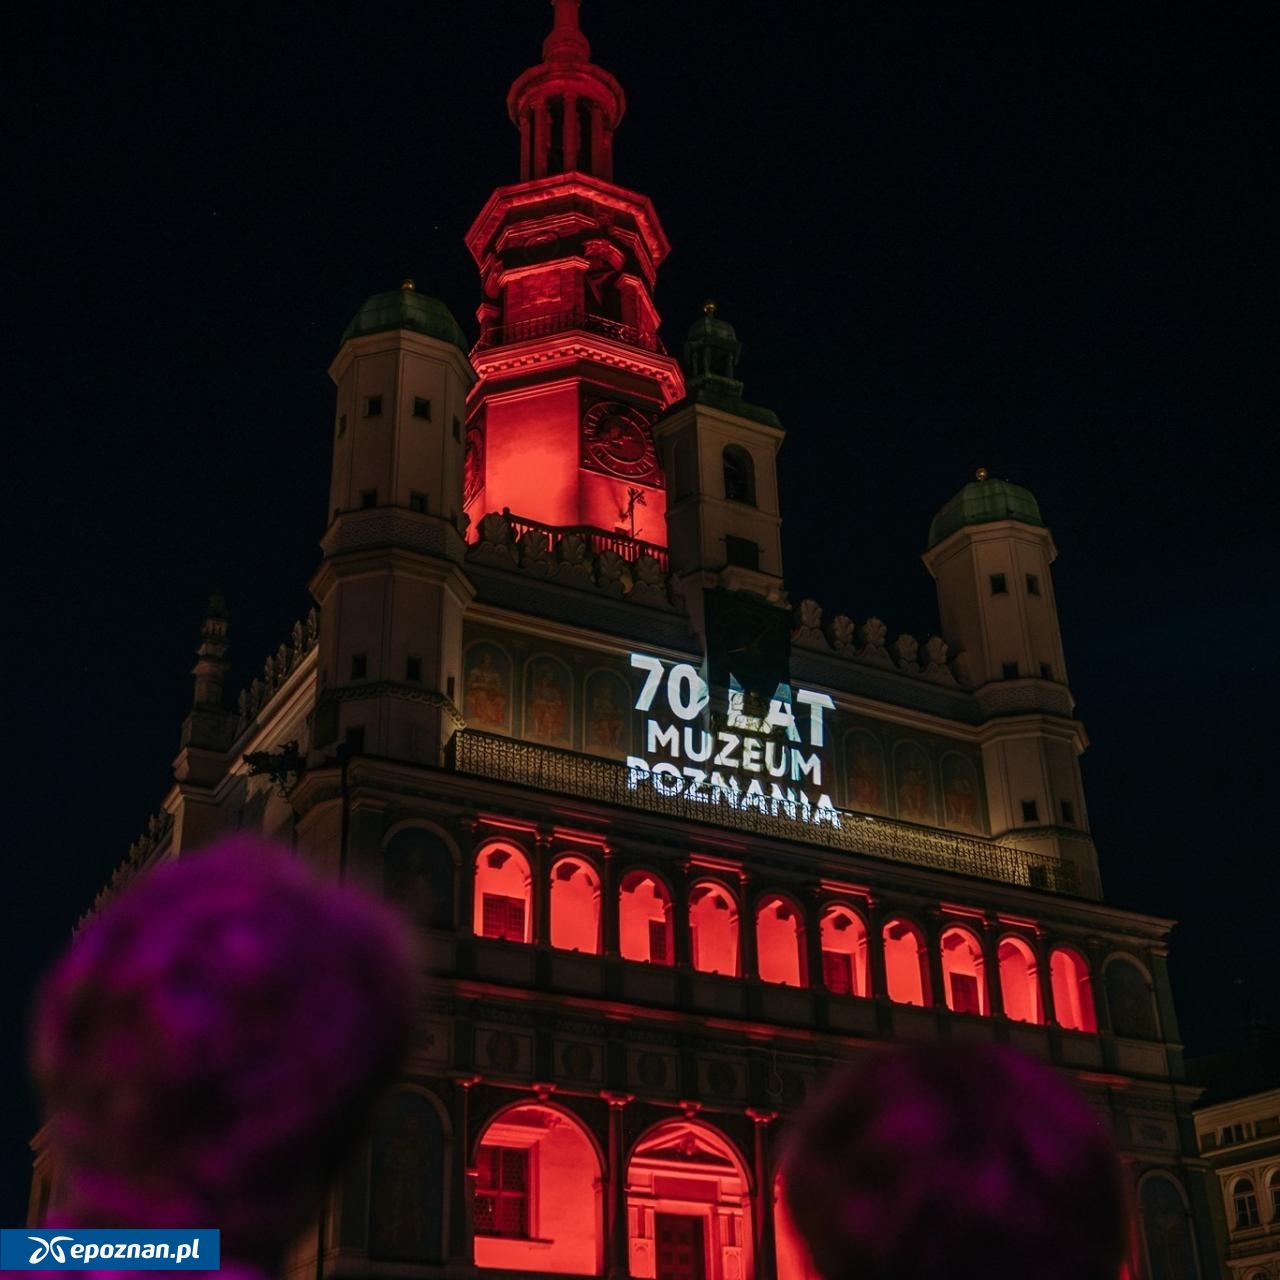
(407, 283)
(981, 474)
(708, 308)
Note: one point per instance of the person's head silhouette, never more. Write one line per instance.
(210, 1045)
(952, 1162)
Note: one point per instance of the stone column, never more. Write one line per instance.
(813, 941)
(526, 146)
(877, 978)
(609, 904)
(762, 1235)
(681, 951)
(1044, 980)
(541, 139)
(933, 943)
(540, 897)
(570, 131)
(464, 1249)
(617, 1262)
(747, 965)
(991, 964)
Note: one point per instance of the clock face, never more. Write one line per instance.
(616, 439)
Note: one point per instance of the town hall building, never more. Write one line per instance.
(675, 843)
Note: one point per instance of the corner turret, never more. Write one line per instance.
(390, 588)
(720, 456)
(989, 551)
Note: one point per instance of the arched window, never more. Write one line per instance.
(713, 930)
(1273, 1185)
(1166, 1229)
(502, 902)
(739, 475)
(575, 906)
(537, 1193)
(688, 1198)
(1129, 1000)
(844, 952)
(1244, 1201)
(780, 942)
(905, 964)
(405, 1181)
(963, 975)
(644, 919)
(1072, 990)
(1019, 981)
(418, 874)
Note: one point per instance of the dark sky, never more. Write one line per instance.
(1036, 242)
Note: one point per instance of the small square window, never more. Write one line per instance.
(417, 501)
(342, 424)
(999, 587)
(369, 498)
(1008, 670)
(741, 552)
(1046, 671)
(1033, 585)
(355, 740)
(373, 407)
(413, 670)
(457, 428)
(1068, 814)
(422, 408)
(359, 666)
(1030, 811)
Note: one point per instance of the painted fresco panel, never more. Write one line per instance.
(487, 688)
(961, 794)
(913, 784)
(606, 714)
(867, 792)
(548, 702)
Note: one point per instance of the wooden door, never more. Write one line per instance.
(679, 1241)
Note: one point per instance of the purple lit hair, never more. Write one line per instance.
(210, 1045)
(956, 1162)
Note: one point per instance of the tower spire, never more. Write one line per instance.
(566, 43)
(566, 107)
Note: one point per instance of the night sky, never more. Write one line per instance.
(1037, 243)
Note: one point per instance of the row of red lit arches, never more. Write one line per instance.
(646, 927)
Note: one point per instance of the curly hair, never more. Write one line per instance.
(955, 1161)
(211, 1043)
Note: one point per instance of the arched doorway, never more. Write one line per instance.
(688, 1205)
(538, 1204)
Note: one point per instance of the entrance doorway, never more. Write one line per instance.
(679, 1247)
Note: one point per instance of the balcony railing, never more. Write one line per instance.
(597, 540)
(568, 773)
(562, 322)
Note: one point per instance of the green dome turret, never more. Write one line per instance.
(984, 501)
(711, 354)
(406, 308)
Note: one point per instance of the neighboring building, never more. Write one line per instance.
(674, 848)
(1238, 1132)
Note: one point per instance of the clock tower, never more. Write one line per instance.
(570, 370)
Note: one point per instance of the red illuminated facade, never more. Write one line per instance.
(673, 845)
(570, 370)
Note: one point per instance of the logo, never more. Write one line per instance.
(48, 1248)
(94, 1249)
